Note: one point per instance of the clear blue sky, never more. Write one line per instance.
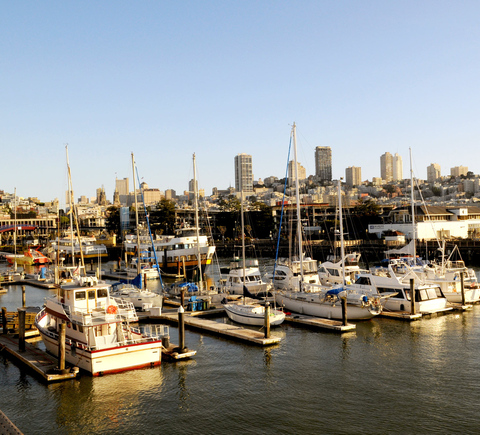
(166, 79)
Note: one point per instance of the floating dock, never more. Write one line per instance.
(317, 322)
(7, 427)
(39, 361)
(224, 330)
(406, 315)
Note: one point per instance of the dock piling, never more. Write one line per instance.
(4, 320)
(462, 286)
(344, 312)
(61, 346)
(181, 327)
(23, 297)
(267, 320)
(412, 296)
(21, 329)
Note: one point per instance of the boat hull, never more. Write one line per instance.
(245, 315)
(312, 305)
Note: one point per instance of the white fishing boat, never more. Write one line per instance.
(253, 314)
(313, 299)
(331, 273)
(99, 338)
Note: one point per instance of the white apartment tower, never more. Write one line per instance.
(323, 163)
(457, 171)
(243, 173)
(386, 167)
(302, 173)
(397, 165)
(353, 176)
(433, 172)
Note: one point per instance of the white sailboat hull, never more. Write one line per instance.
(253, 315)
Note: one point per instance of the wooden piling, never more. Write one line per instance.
(21, 329)
(61, 346)
(23, 297)
(412, 296)
(181, 328)
(4, 320)
(344, 312)
(462, 286)
(267, 320)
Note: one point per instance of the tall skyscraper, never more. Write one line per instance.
(323, 163)
(386, 167)
(397, 164)
(433, 172)
(243, 173)
(353, 176)
(458, 170)
(121, 186)
(302, 173)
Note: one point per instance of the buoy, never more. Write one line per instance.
(112, 309)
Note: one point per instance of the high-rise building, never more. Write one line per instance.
(302, 173)
(386, 167)
(101, 197)
(170, 194)
(323, 163)
(433, 172)
(457, 171)
(397, 167)
(353, 176)
(243, 173)
(121, 186)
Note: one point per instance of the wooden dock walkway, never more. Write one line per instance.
(7, 427)
(317, 322)
(42, 364)
(224, 330)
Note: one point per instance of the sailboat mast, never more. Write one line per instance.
(297, 197)
(340, 216)
(136, 216)
(243, 241)
(413, 210)
(197, 229)
(15, 230)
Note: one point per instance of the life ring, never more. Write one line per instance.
(111, 309)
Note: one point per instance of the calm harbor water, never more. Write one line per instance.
(386, 377)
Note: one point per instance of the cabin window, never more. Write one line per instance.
(438, 292)
(334, 272)
(80, 296)
(74, 326)
(91, 294)
(432, 294)
(423, 295)
(321, 269)
(80, 328)
(399, 295)
(102, 292)
(365, 280)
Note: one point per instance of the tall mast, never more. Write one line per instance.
(136, 216)
(197, 229)
(297, 196)
(413, 211)
(73, 217)
(243, 242)
(15, 230)
(340, 216)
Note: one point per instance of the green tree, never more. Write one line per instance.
(162, 220)
(112, 221)
(231, 204)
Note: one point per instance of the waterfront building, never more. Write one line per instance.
(353, 176)
(433, 172)
(243, 173)
(458, 171)
(432, 222)
(397, 167)
(386, 167)
(323, 163)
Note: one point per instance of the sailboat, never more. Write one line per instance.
(250, 314)
(316, 300)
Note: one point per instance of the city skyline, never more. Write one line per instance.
(217, 79)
